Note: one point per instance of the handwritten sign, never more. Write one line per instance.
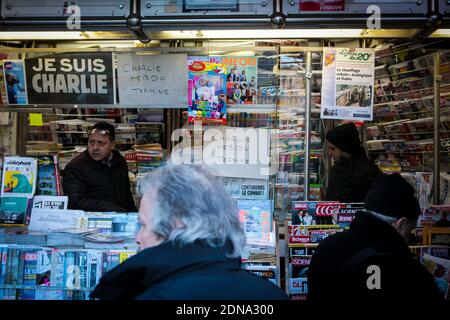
(159, 80)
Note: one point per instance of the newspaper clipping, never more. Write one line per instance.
(348, 83)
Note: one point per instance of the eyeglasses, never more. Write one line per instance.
(102, 132)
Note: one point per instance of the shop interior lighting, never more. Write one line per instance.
(43, 35)
(229, 34)
(189, 34)
(264, 34)
(287, 34)
(441, 33)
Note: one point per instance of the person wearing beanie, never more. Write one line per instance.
(352, 173)
(371, 261)
(97, 179)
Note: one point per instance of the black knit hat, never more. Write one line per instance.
(346, 138)
(392, 196)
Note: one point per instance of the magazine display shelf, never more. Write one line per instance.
(27, 271)
(298, 255)
(403, 129)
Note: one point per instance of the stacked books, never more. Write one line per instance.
(148, 157)
(38, 148)
(125, 136)
(70, 132)
(26, 238)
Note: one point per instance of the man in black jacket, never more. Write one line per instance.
(371, 261)
(97, 179)
(190, 243)
(352, 173)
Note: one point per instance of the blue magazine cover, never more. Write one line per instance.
(48, 180)
(15, 82)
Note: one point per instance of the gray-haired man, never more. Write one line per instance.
(190, 244)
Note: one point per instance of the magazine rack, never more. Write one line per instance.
(436, 236)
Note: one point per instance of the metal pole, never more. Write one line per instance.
(307, 123)
(437, 127)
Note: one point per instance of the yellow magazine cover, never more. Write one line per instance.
(19, 177)
(125, 255)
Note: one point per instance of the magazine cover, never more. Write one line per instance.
(57, 273)
(43, 270)
(81, 263)
(439, 268)
(150, 132)
(15, 211)
(12, 273)
(304, 234)
(16, 87)
(110, 260)
(1, 166)
(346, 214)
(19, 177)
(94, 268)
(48, 179)
(3, 258)
(30, 259)
(241, 78)
(206, 92)
(312, 212)
(298, 266)
(298, 285)
(50, 202)
(240, 188)
(256, 219)
(70, 280)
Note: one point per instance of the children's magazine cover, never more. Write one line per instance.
(206, 92)
(48, 180)
(19, 177)
(241, 78)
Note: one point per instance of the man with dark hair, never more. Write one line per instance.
(372, 261)
(352, 173)
(97, 179)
